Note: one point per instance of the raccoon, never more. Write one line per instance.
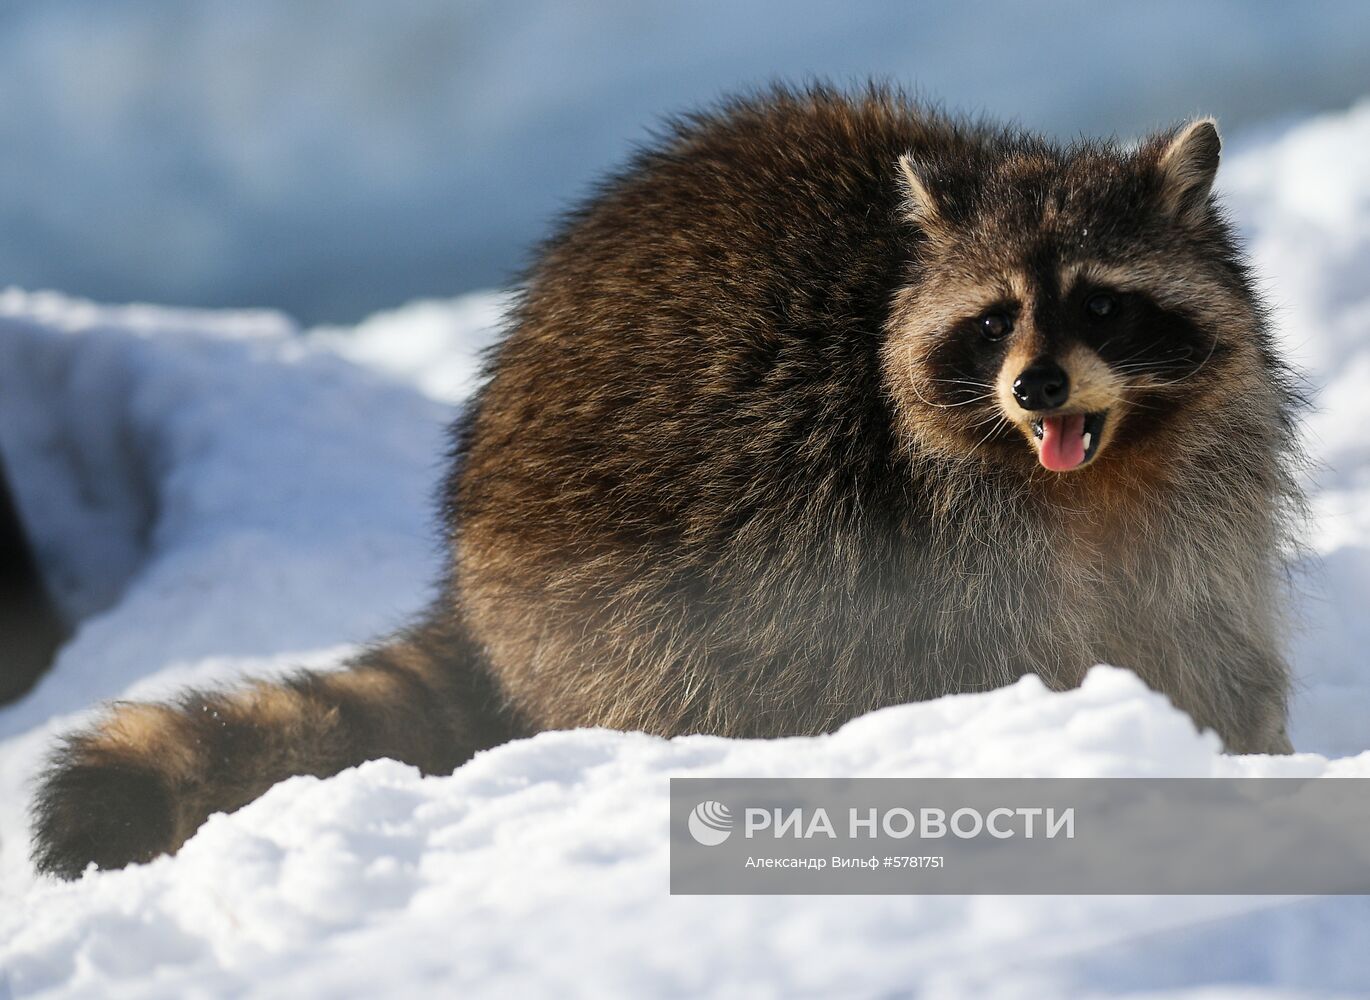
(827, 402)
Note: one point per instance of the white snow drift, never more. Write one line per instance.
(219, 495)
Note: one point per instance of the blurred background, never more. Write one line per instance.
(333, 158)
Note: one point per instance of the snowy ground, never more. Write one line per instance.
(218, 495)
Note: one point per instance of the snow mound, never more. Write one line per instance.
(219, 494)
(508, 875)
(212, 493)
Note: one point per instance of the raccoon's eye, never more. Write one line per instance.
(996, 325)
(1101, 305)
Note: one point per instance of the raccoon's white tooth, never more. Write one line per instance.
(1088, 438)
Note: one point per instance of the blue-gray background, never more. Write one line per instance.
(332, 157)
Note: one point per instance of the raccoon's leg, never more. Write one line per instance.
(1254, 711)
(143, 780)
(1264, 733)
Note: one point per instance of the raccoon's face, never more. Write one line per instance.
(1065, 308)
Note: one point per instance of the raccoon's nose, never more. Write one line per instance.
(1043, 385)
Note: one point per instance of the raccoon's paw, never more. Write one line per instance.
(110, 811)
(1277, 743)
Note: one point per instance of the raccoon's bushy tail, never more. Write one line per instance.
(140, 782)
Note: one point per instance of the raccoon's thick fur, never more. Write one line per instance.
(827, 402)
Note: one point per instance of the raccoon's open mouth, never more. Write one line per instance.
(1067, 441)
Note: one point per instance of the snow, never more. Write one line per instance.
(221, 494)
(1304, 198)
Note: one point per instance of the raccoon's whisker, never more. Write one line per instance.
(1177, 352)
(1002, 421)
(1149, 365)
(1138, 404)
(944, 406)
(985, 420)
(1152, 365)
(974, 399)
(1163, 383)
(980, 397)
(1207, 358)
(962, 381)
(1124, 368)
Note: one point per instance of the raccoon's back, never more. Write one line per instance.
(685, 438)
(702, 340)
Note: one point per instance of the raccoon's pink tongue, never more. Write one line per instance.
(1063, 442)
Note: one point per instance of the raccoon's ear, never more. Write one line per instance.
(920, 206)
(1188, 163)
